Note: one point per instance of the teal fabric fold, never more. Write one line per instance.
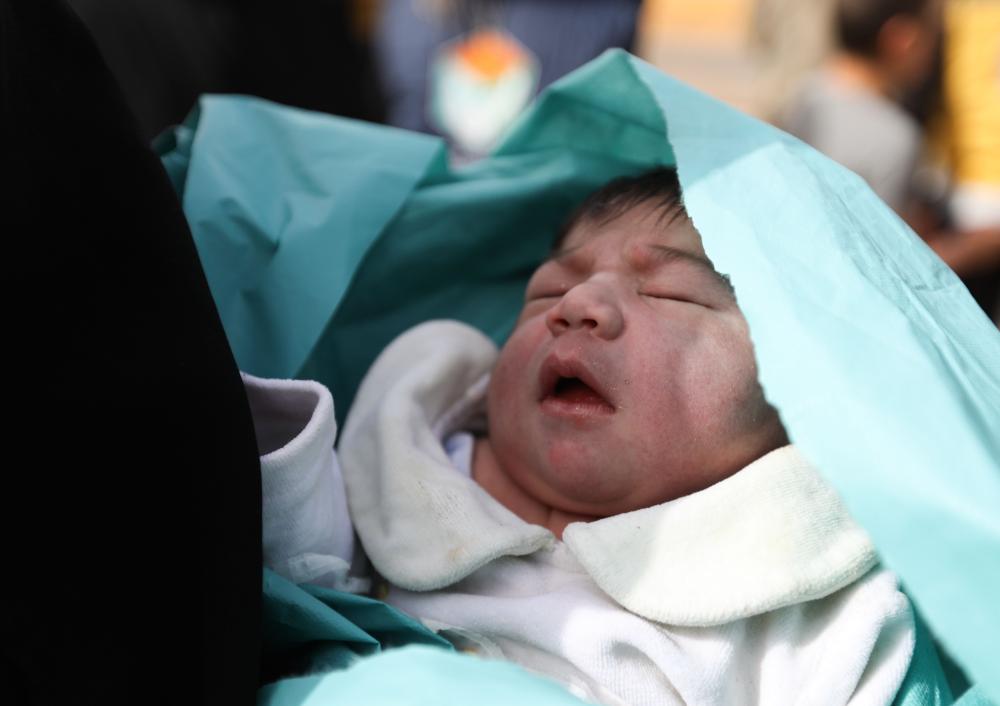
(380, 621)
(975, 697)
(323, 239)
(310, 629)
(925, 683)
(283, 205)
(419, 676)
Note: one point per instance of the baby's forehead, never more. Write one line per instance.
(643, 232)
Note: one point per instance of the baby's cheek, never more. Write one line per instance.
(733, 400)
(498, 397)
(505, 373)
(509, 384)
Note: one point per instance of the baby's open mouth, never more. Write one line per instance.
(569, 388)
(576, 391)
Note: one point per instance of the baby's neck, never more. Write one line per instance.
(491, 477)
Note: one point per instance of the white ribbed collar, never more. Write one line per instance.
(772, 535)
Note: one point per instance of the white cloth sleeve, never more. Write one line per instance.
(308, 536)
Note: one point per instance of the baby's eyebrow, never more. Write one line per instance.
(666, 253)
(562, 253)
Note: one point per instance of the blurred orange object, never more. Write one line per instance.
(490, 53)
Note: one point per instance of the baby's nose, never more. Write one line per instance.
(586, 306)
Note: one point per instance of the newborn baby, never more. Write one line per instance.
(629, 379)
(609, 500)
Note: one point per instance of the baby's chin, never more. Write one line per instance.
(593, 492)
(603, 490)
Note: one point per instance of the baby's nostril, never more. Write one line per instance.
(590, 323)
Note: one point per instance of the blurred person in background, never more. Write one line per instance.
(852, 109)
(435, 54)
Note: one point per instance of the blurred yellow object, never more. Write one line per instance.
(709, 17)
(972, 89)
(490, 54)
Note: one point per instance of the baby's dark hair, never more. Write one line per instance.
(857, 23)
(659, 185)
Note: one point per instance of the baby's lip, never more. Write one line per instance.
(556, 367)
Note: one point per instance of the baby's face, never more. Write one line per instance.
(629, 379)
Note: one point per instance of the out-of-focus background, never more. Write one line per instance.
(904, 92)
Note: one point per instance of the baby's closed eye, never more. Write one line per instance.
(672, 295)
